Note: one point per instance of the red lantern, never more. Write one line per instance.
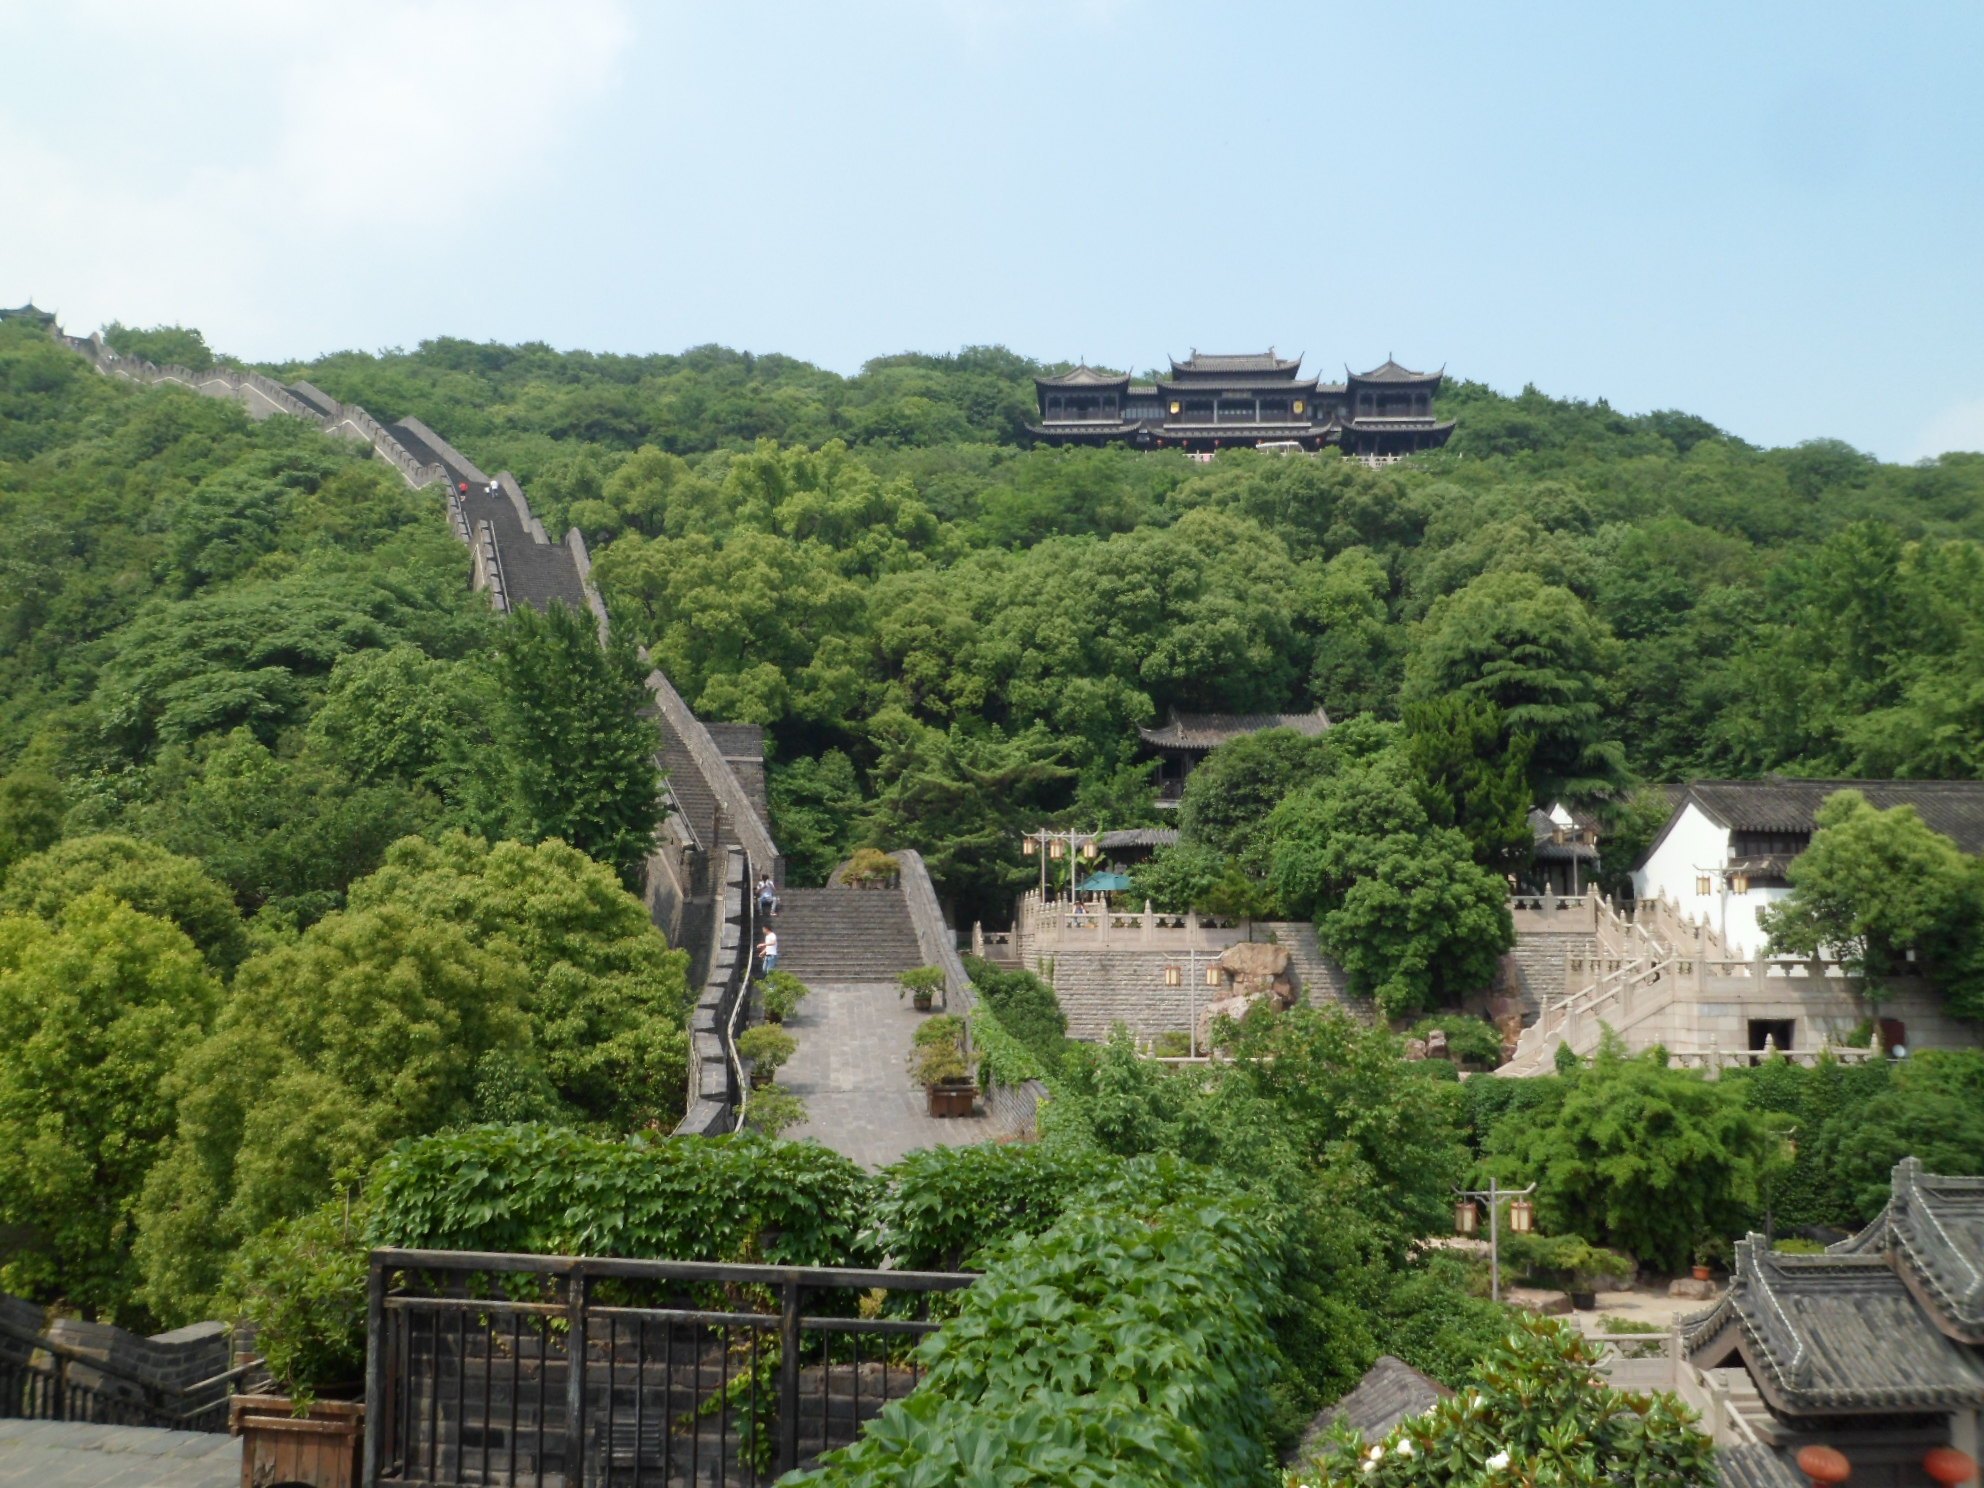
(1948, 1466)
(1824, 1465)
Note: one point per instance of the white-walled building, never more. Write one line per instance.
(1723, 853)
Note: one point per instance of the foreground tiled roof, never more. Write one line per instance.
(1887, 1321)
(1755, 1467)
(1954, 808)
(1933, 1233)
(1391, 1391)
(1210, 730)
(1136, 837)
(1837, 1335)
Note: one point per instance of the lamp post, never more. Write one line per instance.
(1522, 1219)
(1049, 843)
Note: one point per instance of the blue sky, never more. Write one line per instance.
(1767, 214)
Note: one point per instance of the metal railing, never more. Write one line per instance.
(517, 1369)
(58, 1382)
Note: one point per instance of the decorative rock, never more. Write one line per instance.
(1254, 958)
(1535, 1299)
(1415, 1048)
(1687, 1286)
(1436, 1044)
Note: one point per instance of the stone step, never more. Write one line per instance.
(845, 934)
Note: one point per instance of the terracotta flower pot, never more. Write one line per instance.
(923, 1001)
(1701, 1273)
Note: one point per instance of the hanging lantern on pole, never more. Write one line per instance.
(1089, 849)
(1028, 846)
(1522, 1217)
(1172, 976)
(1467, 1218)
(1055, 849)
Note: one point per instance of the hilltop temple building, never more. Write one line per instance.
(1232, 402)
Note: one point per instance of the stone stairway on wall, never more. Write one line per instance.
(1628, 976)
(1536, 966)
(840, 934)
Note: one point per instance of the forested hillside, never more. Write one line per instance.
(952, 635)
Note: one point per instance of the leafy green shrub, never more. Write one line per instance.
(1567, 1261)
(1538, 1412)
(1026, 1009)
(1002, 1059)
(1172, 1045)
(783, 993)
(942, 1056)
(1793, 1245)
(1129, 1343)
(945, 1028)
(542, 1190)
(940, 1206)
(870, 865)
(922, 983)
(773, 1109)
(767, 1046)
(302, 1285)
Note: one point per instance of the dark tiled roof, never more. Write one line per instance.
(1755, 1467)
(1836, 1334)
(29, 312)
(1136, 837)
(1934, 1232)
(1213, 365)
(1084, 377)
(1210, 730)
(1238, 382)
(1391, 371)
(1391, 1391)
(1954, 808)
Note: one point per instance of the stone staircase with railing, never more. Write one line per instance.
(1629, 978)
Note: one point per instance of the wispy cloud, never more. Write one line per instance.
(378, 124)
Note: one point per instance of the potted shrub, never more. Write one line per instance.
(768, 1047)
(871, 868)
(302, 1287)
(773, 1109)
(943, 1068)
(1568, 1263)
(922, 984)
(782, 994)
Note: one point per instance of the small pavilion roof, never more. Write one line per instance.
(1125, 837)
(1390, 371)
(29, 312)
(1201, 731)
(1085, 376)
(1258, 382)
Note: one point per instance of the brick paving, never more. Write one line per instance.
(851, 1070)
(61, 1454)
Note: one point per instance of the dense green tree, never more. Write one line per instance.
(1635, 1155)
(1873, 887)
(1399, 903)
(286, 833)
(166, 345)
(1472, 775)
(1539, 655)
(1230, 794)
(145, 876)
(607, 999)
(372, 1026)
(31, 807)
(580, 753)
(816, 807)
(1932, 1109)
(94, 1010)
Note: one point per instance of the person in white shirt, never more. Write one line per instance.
(768, 952)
